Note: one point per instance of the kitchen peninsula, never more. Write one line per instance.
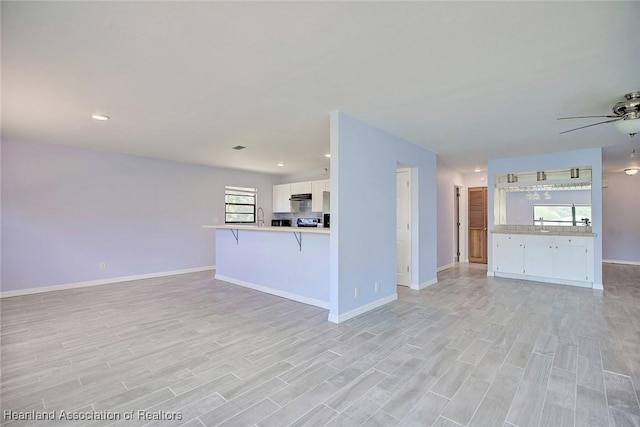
(290, 262)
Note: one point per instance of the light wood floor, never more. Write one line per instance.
(469, 350)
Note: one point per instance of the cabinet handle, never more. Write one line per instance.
(550, 247)
(556, 247)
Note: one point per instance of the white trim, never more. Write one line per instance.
(276, 292)
(545, 280)
(617, 261)
(99, 282)
(598, 287)
(445, 267)
(338, 318)
(491, 273)
(424, 284)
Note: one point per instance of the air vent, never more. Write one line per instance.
(239, 147)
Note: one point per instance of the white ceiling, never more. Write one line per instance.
(188, 80)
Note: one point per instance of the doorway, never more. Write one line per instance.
(478, 225)
(403, 226)
(456, 224)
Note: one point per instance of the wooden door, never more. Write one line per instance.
(478, 224)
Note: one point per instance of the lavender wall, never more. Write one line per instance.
(65, 210)
(520, 210)
(621, 228)
(363, 242)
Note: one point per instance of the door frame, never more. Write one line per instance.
(407, 169)
(457, 224)
(485, 249)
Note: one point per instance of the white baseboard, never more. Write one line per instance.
(423, 285)
(598, 287)
(99, 282)
(445, 267)
(616, 261)
(338, 318)
(276, 292)
(545, 280)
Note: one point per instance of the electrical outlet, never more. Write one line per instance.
(103, 265)
(376, 287)
(356, 292)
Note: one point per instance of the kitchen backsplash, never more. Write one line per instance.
(303, 210)
(535, 228)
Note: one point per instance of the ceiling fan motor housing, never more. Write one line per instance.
(630, 107)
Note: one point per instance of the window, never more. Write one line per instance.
(561, 214)
(239, 205)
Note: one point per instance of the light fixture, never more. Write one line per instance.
(328, 155)
(575, 173)
(541, 176)
(511, 178)
(280, 164)
(631, 171)
(477, 170)
(100, 117)
(629, 126)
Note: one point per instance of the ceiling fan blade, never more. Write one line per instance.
(594, 124)
(584, 117)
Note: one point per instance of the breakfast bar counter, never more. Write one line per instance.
(290, 262)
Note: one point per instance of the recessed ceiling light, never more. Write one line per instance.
(477, 170)
(101, 117)
(280, 164)
(328, 155)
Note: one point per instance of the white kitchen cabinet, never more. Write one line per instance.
(510, 253)
(301, 187)
(317, 194)
(281, 196)
(548, 258)
(538, 260)
(570, 258)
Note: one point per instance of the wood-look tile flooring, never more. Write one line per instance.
(470, 350)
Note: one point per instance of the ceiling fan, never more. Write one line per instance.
(625, 117)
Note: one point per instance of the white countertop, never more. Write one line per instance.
(314, 230)
(544, 233)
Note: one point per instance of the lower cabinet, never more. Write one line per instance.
(510, 251)
(538, 260)
(572, 259)
(564, 258)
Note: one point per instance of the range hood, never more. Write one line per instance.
(298, 197)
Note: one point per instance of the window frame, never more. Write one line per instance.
(248, 191)
(579, 223)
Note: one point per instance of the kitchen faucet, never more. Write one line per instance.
(260, 217)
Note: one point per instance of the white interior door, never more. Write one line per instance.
(403, 226)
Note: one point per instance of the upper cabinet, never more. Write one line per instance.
(317, 194)
(301, 187)
(281, 196)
